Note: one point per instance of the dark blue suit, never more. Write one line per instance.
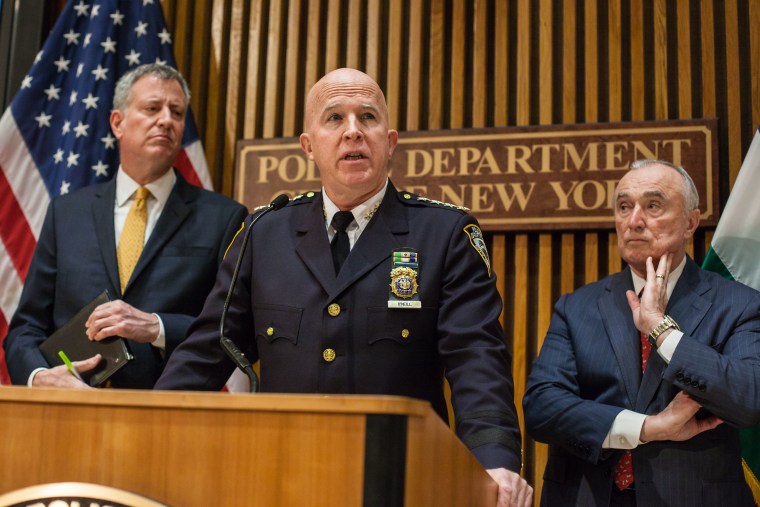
(75, 260)
(281, 314)
(589, 370)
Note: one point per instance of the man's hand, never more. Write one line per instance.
(117, 318)
(677, 422)
(649, 311)
(60, 376)
(513, 490)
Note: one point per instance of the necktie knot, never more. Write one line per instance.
(341, 220)
(141, 196)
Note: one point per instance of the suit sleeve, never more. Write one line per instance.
(176, 325)
(718, 362)
(199, 363)
(33, 320)
(555, 409)
(477, 362)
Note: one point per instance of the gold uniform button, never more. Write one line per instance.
(270, 331)
(407, 196)
(333, 310)
(310, 194)
(328, 355)
(404, 334)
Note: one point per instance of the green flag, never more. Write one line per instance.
(735, 254)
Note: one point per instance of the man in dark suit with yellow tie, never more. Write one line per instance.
(646, 376)
(147, 236)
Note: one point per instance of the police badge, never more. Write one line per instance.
(403, 287)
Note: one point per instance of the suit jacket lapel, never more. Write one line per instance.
(102, 215)
(375, 244)
(623, 336)
(312, 245)
(175, 212)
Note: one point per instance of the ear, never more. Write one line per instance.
(392, 141)
(116, 120)
(306, 145)
(693, 223)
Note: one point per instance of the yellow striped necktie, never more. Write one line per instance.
(132, 236)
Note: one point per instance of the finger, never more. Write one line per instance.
(504, 498)
(87, 364)
(633, 300)
(106, 332)
(529, 498)
(651, 272)
(660, 265)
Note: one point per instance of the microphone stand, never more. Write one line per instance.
(229, 347)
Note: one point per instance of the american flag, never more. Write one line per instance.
(55, 137)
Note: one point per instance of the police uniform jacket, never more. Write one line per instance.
(316, 332)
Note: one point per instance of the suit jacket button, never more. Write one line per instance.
(328, 355)
(333, 310)
(687, 380)
(694, 383)
(679, 376)
(702, 387)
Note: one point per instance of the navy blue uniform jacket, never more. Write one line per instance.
(279, 314)
(589, 370)
(75, 260)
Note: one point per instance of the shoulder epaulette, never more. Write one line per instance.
(304, 198)
(418, 199)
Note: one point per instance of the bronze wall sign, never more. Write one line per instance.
(511, 178)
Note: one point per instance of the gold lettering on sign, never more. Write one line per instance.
(527, 178)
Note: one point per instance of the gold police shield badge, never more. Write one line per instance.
(403, 282)
(405, 270)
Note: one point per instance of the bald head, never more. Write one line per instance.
(342, 82)
(346, 135)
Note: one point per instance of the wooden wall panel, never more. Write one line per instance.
(457, 63)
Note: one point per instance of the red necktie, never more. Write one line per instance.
(624, 467)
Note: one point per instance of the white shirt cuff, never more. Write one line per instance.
(625, 431)
(30, 381)
(668, 346)
(160, 341)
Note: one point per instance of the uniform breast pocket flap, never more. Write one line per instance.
(273, 322)
(401, 326)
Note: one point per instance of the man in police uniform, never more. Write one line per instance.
(415, 297)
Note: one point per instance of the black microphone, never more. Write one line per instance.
(232, 350)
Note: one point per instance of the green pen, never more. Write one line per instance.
(69, 366)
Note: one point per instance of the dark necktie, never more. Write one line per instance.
(340, 245)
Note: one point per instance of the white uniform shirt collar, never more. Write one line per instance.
(362, 213)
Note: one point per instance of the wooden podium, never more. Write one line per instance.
(187, 448)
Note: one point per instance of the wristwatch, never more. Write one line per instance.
(666, 323)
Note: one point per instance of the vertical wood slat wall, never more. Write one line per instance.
(461, 63)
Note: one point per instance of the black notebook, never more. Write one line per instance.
(72, 339)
